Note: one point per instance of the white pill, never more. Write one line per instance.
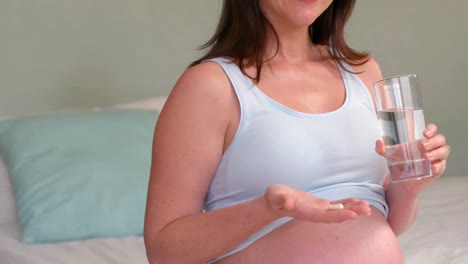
(335, 206)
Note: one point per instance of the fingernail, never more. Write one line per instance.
(427, 133)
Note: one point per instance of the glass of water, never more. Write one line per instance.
(400, 112)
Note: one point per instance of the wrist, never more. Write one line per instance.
(397, 190)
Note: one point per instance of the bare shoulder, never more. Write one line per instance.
(369, 73)
(203, 90)
(202, 100)
(205, 81)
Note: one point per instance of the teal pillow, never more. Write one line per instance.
(79, 175)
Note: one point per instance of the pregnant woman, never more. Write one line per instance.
(268, 150)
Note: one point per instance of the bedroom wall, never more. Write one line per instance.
(430, 39)
(77, 53)
(58, 54)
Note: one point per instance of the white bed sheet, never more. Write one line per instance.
(440, 233)
(113, 250)
(439, 236)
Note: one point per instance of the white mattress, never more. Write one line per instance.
(440, 235)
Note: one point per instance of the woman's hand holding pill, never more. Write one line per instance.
(302, 205)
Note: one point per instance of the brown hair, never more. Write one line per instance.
(241, 34)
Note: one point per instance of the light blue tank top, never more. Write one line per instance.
(330, 155)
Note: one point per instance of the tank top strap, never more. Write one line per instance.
(239, 81)
(244, 88)
(359, 90)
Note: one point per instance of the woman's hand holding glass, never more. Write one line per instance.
(436, 151)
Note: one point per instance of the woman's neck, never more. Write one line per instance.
(294, 46)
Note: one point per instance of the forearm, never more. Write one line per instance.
(199, 238)
(403, 209)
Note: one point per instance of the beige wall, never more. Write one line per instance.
(428, 38)
(77, 53)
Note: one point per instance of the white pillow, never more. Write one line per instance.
(154, 103)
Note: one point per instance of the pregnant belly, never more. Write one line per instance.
(367, 239)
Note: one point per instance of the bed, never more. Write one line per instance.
(440, 234)
(123, 249)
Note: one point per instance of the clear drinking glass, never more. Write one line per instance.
(400, 112)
